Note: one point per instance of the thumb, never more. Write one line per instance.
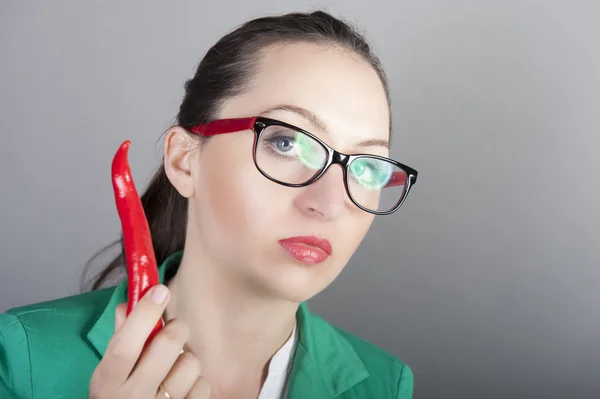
(120, 315)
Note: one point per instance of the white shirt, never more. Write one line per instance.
(275, 385)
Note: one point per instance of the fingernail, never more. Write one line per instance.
(159, 294)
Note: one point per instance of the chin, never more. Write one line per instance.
(297, 284)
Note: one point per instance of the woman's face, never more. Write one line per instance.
(239, 217)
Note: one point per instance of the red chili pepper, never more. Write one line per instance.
(142, 271)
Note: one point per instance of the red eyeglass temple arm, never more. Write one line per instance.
(397, 179)
(223, 126)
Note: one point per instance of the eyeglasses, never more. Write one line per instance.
(292, 157)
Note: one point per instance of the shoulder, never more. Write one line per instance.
(58, 316)
(80, 302)
(32, 335)
(55, 319)
(54, 316)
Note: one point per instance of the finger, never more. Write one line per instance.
(120, 315)
(200, 390)
(181, 377)
(125, 346)
(160, 355)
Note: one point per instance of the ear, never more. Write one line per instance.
(178, 160)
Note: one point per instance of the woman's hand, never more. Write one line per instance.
(128, 370)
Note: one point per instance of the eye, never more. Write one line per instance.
(358, 168)
(282, 143)
(370, 173)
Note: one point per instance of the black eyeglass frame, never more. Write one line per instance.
(259, 124)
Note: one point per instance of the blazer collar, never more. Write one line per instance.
(104, 326)
(325, 363)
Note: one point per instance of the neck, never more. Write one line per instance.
(235, 329)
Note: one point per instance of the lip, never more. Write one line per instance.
(307, 249)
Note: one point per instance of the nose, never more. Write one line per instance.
(326, 198)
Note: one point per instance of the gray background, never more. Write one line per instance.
(487, 281)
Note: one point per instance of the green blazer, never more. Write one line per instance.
(49, 350)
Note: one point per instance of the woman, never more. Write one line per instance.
(253, 212)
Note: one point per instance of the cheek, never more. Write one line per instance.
(233, 198)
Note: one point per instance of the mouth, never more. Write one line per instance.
(307, 249)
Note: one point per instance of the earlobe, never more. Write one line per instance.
(178, 160)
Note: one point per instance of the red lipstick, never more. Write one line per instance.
(307, 249)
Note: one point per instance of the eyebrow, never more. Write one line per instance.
(319, 124)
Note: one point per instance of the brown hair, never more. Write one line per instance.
(223, 73)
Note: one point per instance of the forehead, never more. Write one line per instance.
(336, 85)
